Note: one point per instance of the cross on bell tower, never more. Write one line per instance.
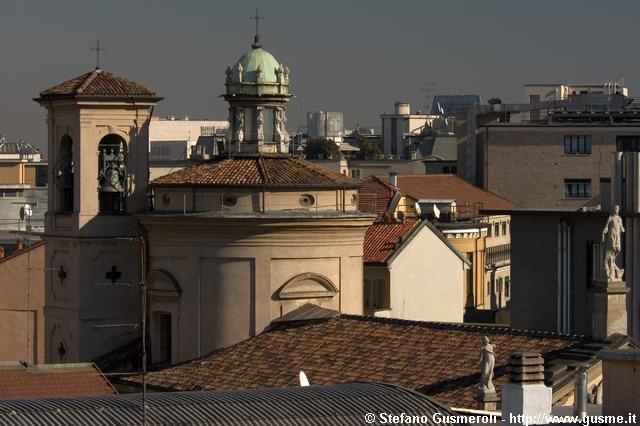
(98, 49)
(257, 43)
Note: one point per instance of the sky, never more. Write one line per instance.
(358, 57)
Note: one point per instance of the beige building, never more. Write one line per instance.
(557, 165)
(398, 125)
(241, 240)
(250, 248)
(22, 328)
(97, 137)
(454, 206)
(412, 272)
(176, 139)
(560, 159)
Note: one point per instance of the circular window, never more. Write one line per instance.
(307, 200)
(229, 200)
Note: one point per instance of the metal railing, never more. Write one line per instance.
(498, 254)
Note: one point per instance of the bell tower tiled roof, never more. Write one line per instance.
(98, 83)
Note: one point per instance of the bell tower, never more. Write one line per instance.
(98, 173)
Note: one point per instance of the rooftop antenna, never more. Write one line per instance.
(257, 43)
(98, 49)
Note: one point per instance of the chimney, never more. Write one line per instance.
(525, 399)
(393, 179)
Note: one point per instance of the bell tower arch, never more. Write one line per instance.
(98, 168)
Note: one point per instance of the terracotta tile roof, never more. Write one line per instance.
(256, 170)
(443, 186)
(98, 83)
(374, 195)
(382, 239)
(438, 359)
(52, 380)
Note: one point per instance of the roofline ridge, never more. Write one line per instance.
(263, 170)
(87, 81)
(465, 326)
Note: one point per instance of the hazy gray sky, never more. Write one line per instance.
(352, 56)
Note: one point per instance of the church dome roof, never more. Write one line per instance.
(258, 57)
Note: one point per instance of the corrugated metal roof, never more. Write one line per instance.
(344, 404)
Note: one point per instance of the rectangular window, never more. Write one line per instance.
(355, 173)
(507, 284)
(577, 188)
(489, 230)
(496, 229)
(504, 228)
(577, 144)
(376, 294)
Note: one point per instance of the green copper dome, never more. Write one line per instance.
(258, 57)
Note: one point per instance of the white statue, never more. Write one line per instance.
(240, 71)
(279, 135)
(259, 74)
(611, 240)
(260, 124)
(487, 362)
(238, 134)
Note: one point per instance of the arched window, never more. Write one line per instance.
(112, 174)
(64, 175)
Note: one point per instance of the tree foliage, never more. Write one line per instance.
(321, 146)
(368, 150)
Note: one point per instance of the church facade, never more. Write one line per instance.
(224, 246)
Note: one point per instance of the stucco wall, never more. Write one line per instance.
(621, 392)
(425, 281)
(230, 272)
(21, 306)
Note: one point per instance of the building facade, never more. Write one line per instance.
(411, 272)
(249, 236)
(97, 139)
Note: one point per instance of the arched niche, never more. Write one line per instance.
(112, 174)
(65, 174)
(163, 287)
(306, 286)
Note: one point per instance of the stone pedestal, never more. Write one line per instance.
(609, 308)
(487, 399)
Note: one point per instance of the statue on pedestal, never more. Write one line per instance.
(260, 124)
(611, 235)
(487, 362)
(238, 132)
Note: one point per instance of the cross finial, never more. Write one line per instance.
(256, 40)
(98, 49)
